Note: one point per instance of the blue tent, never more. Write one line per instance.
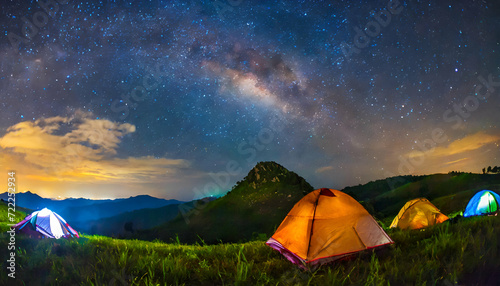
(483, 202)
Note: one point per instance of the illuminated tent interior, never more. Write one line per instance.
(45, 223)
(482, 203)
(324, 226)
(418, 213)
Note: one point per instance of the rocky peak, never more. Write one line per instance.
(266, 172)
(272, 172)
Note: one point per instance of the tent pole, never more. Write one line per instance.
(312, 225)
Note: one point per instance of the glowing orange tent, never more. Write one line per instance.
(326, 225)
(418, 213)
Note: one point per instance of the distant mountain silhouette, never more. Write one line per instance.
(81, 210)
(111, 208)
(255, 206)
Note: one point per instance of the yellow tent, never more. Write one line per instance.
(418, 213)
(326, 225)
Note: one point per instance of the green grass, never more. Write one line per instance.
(465, 252)
(18, 216)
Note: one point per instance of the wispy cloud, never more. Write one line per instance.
(456, 161)
(324, 169)
(460, 146)
(469, 153)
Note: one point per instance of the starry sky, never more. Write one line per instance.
(180, 99)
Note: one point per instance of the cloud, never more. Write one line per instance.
(324, 169)
(79, 149)
(456, 161)
(101, 133)
(460, 146)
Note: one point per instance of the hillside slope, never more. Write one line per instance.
(126, 224)
(451, 192)
(255, 205)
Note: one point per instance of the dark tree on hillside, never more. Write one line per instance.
(489, 169)
(495, 169)
(484, 171)
(129, 226)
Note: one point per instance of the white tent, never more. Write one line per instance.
(46, 223)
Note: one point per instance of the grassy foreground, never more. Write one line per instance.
(466, 252)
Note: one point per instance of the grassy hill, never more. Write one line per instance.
(256, 205)
(449, 192)
(467, 253)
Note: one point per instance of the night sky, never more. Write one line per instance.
(180, 99)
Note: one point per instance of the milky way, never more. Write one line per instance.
(179, 99)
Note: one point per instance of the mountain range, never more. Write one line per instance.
(82, 210)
